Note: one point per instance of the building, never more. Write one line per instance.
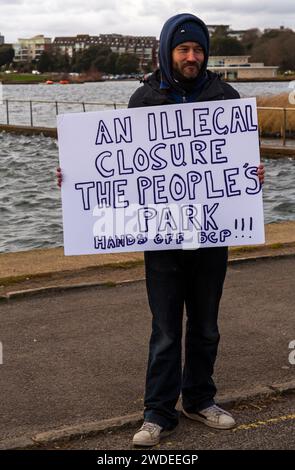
(281, 28)
(238, 67)
(71, 44)
(30, 48)
(1, 39)
(144, 47)
(213, 27)
(236, 34)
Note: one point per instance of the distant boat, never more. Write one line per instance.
(49, 82)
(64, 82)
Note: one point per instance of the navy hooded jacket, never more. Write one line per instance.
(165, 51)
(161, 88)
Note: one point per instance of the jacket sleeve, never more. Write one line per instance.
(229, 92)
(135, 100)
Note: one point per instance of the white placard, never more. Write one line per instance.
(161, 177)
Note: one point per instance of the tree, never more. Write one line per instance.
(226, 46)
(6, 55)
(127, 63)
(61, 62)
(222, 44)
(249, 39)
(111, 63)
(104, 56)
(45, 63)
(220, 31)
(24, 67)
(94, 57)
(276, 47)
(53, 61)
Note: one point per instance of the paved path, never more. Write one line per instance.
(80, 356)
(265, 424)
(45, 262)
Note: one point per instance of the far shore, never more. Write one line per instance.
(31, 79)
(42, 267)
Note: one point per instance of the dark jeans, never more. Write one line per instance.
(174, 278)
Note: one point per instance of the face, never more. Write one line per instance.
(187, 59)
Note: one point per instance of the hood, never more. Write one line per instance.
(165, 57)
(153, 94)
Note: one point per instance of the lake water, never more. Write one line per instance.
(44, 114)
(30, 205)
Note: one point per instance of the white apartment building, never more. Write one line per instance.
(239, 67)
(27, 49)
(145, 47)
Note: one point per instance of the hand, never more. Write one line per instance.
(59, 176)
(260, 173)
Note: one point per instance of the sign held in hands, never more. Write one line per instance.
(164, 177)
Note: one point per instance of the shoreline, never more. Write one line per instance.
(43, 81)
(268, 150)
(112, 81)
(49, 267)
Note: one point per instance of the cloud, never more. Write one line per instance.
(25, 18)
(154, 7)
(8, 2)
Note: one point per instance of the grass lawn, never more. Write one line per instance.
(16, 78)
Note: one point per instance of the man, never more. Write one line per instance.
(175, 278)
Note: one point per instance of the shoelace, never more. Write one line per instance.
(216, 411)
(150, 427)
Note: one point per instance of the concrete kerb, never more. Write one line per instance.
(14, 295)
(57, 289)
(95, 428)
(84, 430)
(81, 270)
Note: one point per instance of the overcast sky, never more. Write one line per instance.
(26, 18)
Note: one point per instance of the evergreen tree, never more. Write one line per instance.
(6, 55)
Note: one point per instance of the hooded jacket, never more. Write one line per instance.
(161, 88)
(165, 49)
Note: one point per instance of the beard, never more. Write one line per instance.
(187, 71)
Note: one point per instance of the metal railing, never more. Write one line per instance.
(56, 105)
(113, 105)
(283, 122)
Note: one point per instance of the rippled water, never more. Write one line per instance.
(30, 204)
(44, 114)
(279, 190)
(30, 207)
(101, 92)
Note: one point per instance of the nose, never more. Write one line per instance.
(191, 56)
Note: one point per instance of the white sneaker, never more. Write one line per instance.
(214, 417)
(149, 434)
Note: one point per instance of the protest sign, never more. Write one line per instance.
(163, 177)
